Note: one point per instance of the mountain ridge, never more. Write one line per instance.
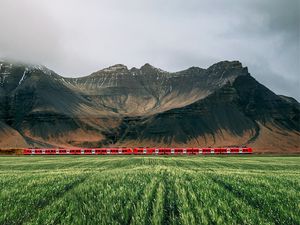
(218, 106)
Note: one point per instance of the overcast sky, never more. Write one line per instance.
(77, 37)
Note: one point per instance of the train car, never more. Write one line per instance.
(100, 151)
(75, 151)
(89, 151)
(140, 151)
(145, 151)
(188, 151)
(234, 150)
(153, 151)
(179, 151)
(220, 151)
(48, 151)
(237, 150)
(206, 151)
(125, 151)
(27, 151)
(116, 151)
(167, 151)
(159, 151)
(247, 151)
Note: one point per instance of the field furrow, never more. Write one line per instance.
(149, 190)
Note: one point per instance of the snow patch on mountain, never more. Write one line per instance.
(41, 68)
(23, 76)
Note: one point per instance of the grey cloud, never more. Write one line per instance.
(27, 32)
(76, 37)
(283, 16)
(270, 78)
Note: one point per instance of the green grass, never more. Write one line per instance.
(149, 190)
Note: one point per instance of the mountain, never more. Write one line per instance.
(116, 106)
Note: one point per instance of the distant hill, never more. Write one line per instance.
(219, 106)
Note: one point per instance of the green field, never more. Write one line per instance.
(149, 190)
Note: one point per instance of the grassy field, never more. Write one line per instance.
(149, 190)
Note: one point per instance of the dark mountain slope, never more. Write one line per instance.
(211, 117)
(237, 112)
(35, 102)
(261, 104)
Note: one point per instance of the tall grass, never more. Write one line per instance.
(149, 190)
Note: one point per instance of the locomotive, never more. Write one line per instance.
(136, 151)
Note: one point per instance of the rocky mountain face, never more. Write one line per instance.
(219, 106)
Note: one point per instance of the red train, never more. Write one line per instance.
(136, 151)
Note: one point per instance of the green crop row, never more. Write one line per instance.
(149, 190)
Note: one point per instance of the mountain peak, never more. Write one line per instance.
(226, 64)
(7, 67)
(149, 67)
(116, 67)
(227, 69)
